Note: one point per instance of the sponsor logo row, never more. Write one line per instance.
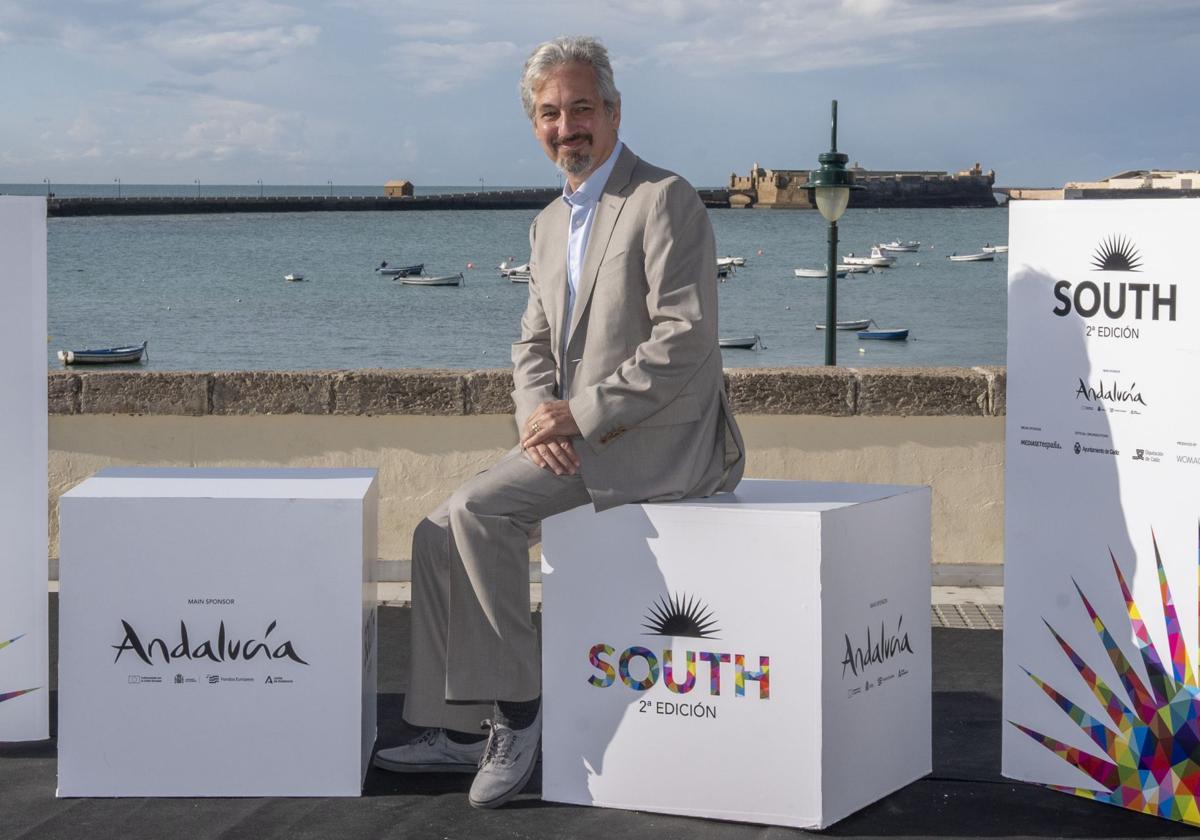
(205, 679)
(1182, 452)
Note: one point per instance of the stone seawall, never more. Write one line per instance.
(427, 431)
(818, 391)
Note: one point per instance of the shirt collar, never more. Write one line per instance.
(589, 191)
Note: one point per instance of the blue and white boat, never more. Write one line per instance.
(883, 335)
(104, 356)
(400, 270)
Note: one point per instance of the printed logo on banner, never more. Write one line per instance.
(1116, 253)
(1102, 395)
(639, 668)
(1116, 299)
(12, 695)
(222, 648)
(869, 654)
(1149, 749)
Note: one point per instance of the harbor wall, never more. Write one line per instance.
(429, 430)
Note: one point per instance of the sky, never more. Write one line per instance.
(363, 91)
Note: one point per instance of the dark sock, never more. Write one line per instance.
(465, 737)
(517, 714)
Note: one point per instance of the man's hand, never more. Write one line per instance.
(557, 455)
(548, 421)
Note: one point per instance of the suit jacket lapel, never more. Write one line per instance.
(608, 208)
(552, 276)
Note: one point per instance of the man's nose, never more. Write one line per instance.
(567, 123)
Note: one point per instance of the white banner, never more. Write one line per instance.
(1101, 688)
(760, 656)
(24, 690)
(217, 632)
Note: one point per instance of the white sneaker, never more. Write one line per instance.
(507, 763)
(431, 752)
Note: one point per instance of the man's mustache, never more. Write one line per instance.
(571, 138)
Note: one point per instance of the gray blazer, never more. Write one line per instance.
(642, 371)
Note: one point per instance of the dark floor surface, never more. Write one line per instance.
(965, 795)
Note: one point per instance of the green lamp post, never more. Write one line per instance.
(831, 185)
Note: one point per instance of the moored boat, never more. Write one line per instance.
(994, 249)
(903, 247)
(507, 270)
(980, 257)
(105, 356)
(400, 270)
(294, 277)
(820, 272)
(877, 259)
(744, 342)
(860, 324)
(443, 280)
(883, 335)
(735, 261)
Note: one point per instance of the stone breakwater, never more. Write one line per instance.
(815, 391)
(528, 199)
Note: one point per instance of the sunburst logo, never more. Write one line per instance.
(1116, 253)
(1150, 754)
(681, 616)
(9, 695)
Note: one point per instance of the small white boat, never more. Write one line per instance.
(902, 247)
(294, 277)
(746, 342)
(877, 259)
(507, 270)
(819, 272)
(861, 324)
(443, 280)
(994, 249)
(855, 269)
(735, 261)
(980, 257)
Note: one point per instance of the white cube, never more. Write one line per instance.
(217, 632)
(760, 656)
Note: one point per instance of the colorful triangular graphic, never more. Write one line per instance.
(9, 695)
(1151, 752)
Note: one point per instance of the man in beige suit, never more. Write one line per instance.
(619, 398)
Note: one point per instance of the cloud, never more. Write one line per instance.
(439, 68)
(198, 51)
(221, 129)
(783, 36)
(196, 37)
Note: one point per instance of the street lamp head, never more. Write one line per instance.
(831, 185)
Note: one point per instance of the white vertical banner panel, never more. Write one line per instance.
(1101, 688)
(24, 689)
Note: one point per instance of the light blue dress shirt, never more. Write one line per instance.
(583, 203)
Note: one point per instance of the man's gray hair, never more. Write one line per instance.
(564, 50)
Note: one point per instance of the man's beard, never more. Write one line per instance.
(571, 161)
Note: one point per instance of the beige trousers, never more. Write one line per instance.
(472, 638)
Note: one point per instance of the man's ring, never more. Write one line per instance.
(537, 427)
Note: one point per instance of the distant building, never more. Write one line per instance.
(1142, 179)
(1133, 183)
(398, 189)
(788, 188)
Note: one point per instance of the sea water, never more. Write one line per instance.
(207, 291)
